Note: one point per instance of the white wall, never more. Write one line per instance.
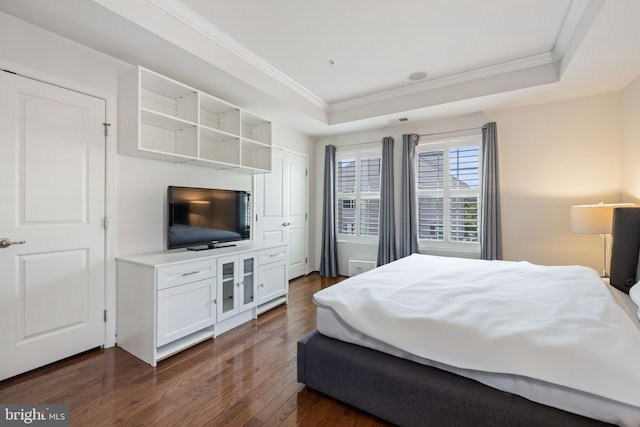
(141, 193)
(551, 156)
(31, 47)
(136, 187)
(631, 142)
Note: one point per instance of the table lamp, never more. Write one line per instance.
(596, 219)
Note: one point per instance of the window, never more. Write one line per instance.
(358, 193)
(448, 191)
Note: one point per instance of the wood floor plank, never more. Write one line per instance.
(244, 377)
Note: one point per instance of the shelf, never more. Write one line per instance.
(183, 343)
(158, 93)
(255, 129)
(162, 119)
(166, 134)
(217, 114)
(216, 146)
(256, 155)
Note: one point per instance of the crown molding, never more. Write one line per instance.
(579, 17)
(578, 20)
(200, 25)
(450, 80)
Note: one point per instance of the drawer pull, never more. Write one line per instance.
(278, 254)
(191, 273)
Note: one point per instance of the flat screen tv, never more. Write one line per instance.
(203, 218)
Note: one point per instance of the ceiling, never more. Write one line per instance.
(339, 66)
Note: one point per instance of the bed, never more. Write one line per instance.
(562, 355)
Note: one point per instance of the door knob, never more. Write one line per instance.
(285, 224)
(5, 243)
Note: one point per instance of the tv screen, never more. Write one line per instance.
(206, 216)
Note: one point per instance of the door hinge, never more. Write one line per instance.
(105, 223)
(306, 260)
(105, 316)
(106, 128)
(306, 172)
(256, 217)
(305, 216)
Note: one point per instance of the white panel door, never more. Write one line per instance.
(269, 196)
(52, 179)
(281, 207)
(296, 212)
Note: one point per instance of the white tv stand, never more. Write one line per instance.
(168, 301)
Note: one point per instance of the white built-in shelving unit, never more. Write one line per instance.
(162, 119)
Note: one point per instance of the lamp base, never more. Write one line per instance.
(605, 245)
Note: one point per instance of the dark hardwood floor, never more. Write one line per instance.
(246, 376)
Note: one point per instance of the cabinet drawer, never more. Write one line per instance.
(272, 255)
(185, 273)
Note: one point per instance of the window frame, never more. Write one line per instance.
(447, 142)
(362, 152)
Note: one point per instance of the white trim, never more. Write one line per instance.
(359, 147)
(579, 18)
(110, 262)
(575, 25)
(445, 143)
(439, 137)
(53, 80)
(364, 151)
(450, 80)
(199, 24)
(306, 206)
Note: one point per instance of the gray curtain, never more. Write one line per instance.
(490, 230)
(329, 254)
(408, 218)
(387, 231)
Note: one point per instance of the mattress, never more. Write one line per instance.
(331, 324)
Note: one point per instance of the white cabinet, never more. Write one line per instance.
(162, 309)
(273, 285)
(185, 309)
(236, 284)
(162, 119)
(168, 301)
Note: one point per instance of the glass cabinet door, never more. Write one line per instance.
(228, 286)
(248, 280)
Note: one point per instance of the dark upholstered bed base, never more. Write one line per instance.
(408, 393)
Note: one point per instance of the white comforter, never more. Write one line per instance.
(555, 324)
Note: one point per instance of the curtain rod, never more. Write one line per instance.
(426, 134)
(451, 131)
(358, 143)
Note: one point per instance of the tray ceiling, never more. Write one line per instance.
(336, 66)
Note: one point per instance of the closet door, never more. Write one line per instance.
(52, 180)
(281, 200)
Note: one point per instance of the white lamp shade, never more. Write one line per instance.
(594, 219)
